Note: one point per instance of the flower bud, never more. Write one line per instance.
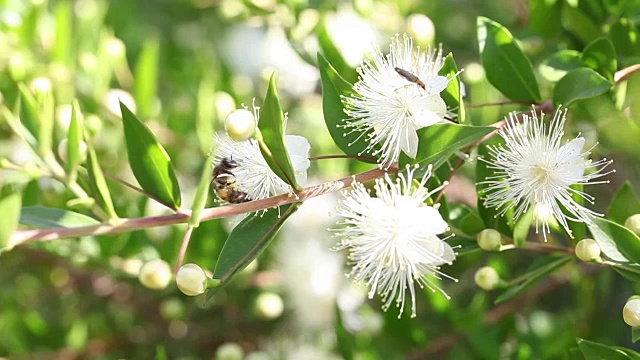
(487, 278)
(229, 351)
(631, 312)
(82, 150)
(240, 124)
(191, 280)
(155, 274)
(633, 223)
(489, 240)
(588, 250)
(269, 305)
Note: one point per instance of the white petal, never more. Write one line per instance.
(431, 110)
(301, 177)
(299, 163)
(449, 255)
(409, 140)
(432, 220)
(435, 84)
(572, 160)
(297, 145)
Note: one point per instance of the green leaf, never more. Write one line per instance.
(600, 56)
(521, 228)
(46, 217)
(628, 270)
(333, 87)
(559, 64)
(331, 52)
(625, 203)
(616, 241)
(29, 110)
(62, 51)
(465, 219)
(439, 141)
(271, 125)
(74, 136)
(248, 240)
(596, 351)
(206, 115)
(200, 199)
(97, 183)
(635, 334)
(578, 84)
(624, 35)
(507, 67)
(149, 161)
(10, 203)
(452, 95)
(579, 24)
(146, 77)
(546, 266)
(544, 17)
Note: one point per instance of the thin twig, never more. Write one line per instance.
(122, 225)
(624, 74)
(183, 247)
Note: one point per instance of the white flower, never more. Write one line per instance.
(534, 169)
(253, 175)
(392, 238)
(387, 108)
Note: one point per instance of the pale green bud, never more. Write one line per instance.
(489, 240)
(240, 124)
(588, 250)
(155, 274)
(487, 278)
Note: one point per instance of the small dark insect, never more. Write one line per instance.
(224, 182)
(409, 76)
(414, 79)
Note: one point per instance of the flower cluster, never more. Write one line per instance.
(393, 238)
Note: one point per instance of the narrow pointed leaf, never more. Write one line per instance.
(332, 53)
(452, 95)
(200, 199)
(149, 161)
(271, 125)
(333, 88)
(74, 136)
(46, 217)
(521, 228)
(600, 56)
(635, 334)
(507, 67)
(533, 276)
(248, 240)
(10, 203)
(439, 141)
(97, 183)
(578, 229)
(466, 219)
(579, 84)
(625, 203)
(616, 241)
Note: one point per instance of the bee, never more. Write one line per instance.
(410, 77)
(224, 182)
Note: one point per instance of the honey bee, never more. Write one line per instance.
(410, 77)
(224, 182)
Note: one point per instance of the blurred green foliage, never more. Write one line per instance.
(181, 66)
